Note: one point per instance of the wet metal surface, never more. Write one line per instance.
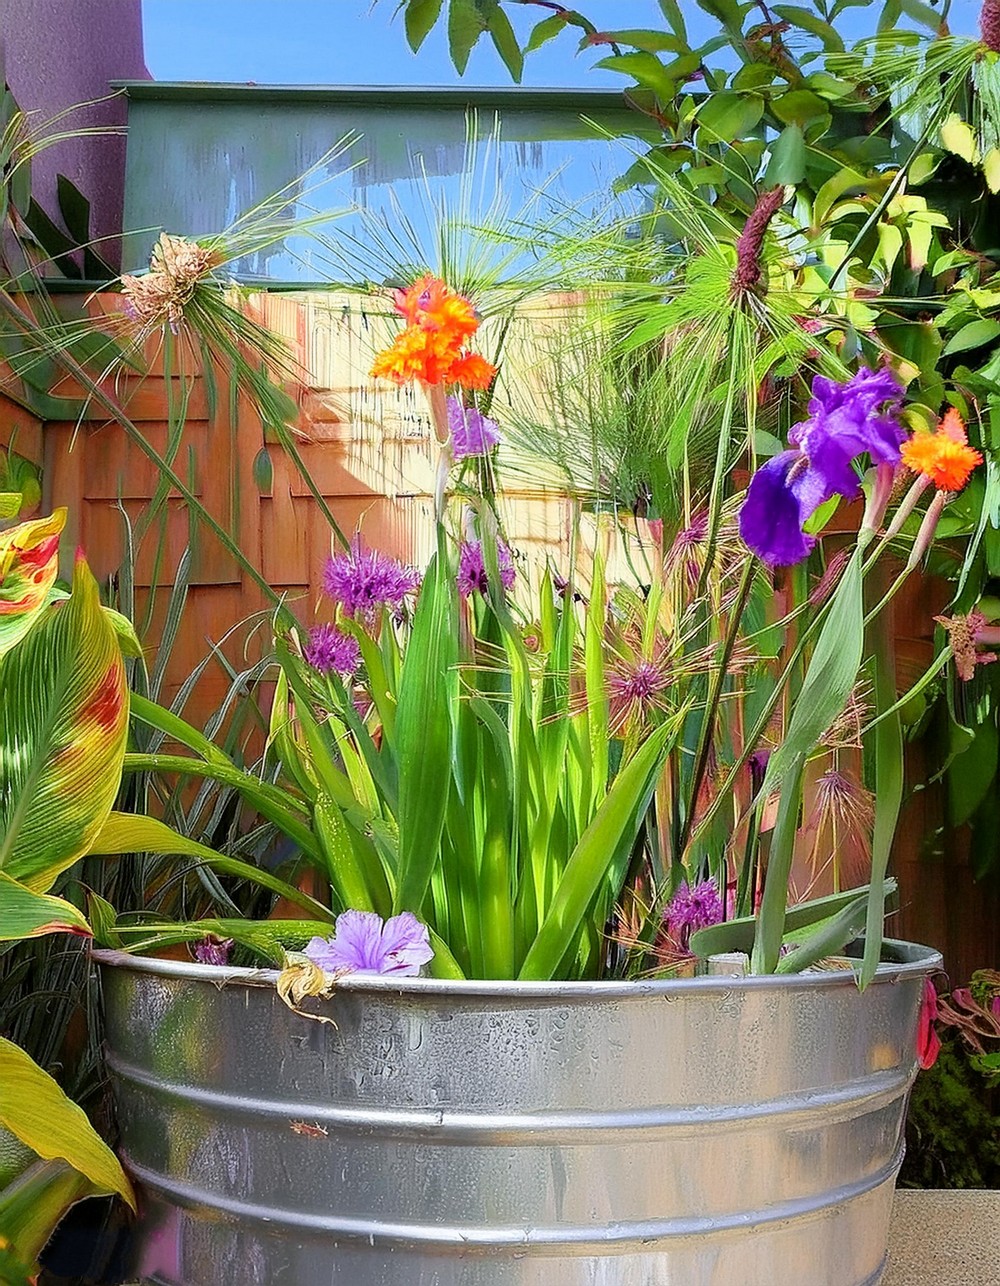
(710, 1132)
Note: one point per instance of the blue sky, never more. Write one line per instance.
(352, 42)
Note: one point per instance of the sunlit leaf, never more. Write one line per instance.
(33, 1107)
(419, 20)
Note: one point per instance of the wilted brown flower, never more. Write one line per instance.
(176, 267)
(845, 731)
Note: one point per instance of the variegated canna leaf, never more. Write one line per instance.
(63, 727)
(29, 561)
(24, 914)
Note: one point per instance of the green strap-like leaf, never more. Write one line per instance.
(424, 732)
(271, 802)
(614, 825)
(832, 673)
(771, 917)
(886, 742)
(125, 833)
(33, 1107)
(360, 887)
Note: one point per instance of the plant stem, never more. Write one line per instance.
(707, 730)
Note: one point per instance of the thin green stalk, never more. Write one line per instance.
(720, 674)
(771, 918)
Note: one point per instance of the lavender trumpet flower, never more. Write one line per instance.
(363, 943)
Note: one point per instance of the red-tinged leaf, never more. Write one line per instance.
(652, 42)
(63, 728)
(24, 914)
(29, 561)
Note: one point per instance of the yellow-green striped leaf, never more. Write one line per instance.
(29, 561)
(63, 726)
(33, 1107)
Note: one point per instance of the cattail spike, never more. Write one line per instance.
(750, 245)
(989, 24)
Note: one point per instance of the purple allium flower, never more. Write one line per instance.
(363, 943)
(329, 650)
(633, 692)
(472, 433)
(691, 909)
(685, 553)
(844, 421)
(364, 581)
(212, 950)
(472, 568)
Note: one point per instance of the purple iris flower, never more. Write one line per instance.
(691, 909)
(328, 650)
(364, 581)
(472, 433)
(363, 943)
(472, 568)
(845, 420)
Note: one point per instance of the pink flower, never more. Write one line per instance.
(928, 1041)
(635, 690)
(965, 633)
(212, 950)
(363, 943)
(691, 909)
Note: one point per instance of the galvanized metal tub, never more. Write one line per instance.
(704, 1132)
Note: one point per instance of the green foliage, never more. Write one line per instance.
(952, 1126)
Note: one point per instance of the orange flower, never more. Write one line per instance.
(432, 305)
(943, 456)
(431, 348)
(417, 355)
(472, 371)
